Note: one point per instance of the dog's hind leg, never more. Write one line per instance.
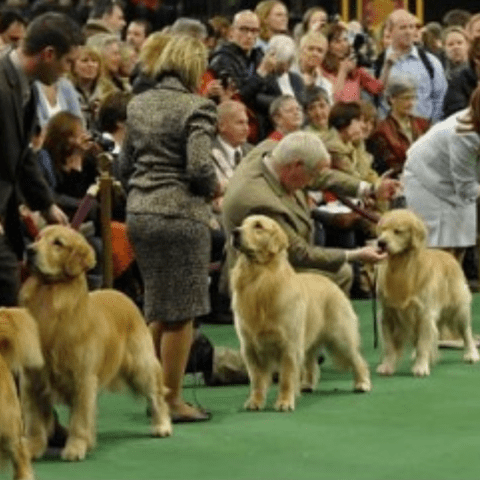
(310, 371)
(463, 323)
(81, 434)
(146, 378)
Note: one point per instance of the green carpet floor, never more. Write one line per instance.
(406, 428)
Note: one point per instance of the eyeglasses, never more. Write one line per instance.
(244, 29)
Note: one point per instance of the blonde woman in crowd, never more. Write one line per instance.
(273, 16)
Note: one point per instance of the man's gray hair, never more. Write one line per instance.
(189, 26)
(277, 104)
(398, 85)
(305, 146)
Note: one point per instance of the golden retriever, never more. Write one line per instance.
(283, 317)
(19, 349)
(420, 290)
(89, 341)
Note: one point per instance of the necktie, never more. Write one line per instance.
(237, 156)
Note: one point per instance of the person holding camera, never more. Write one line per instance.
(341, 68)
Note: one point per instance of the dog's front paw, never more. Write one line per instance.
(421, 369)
(75, 450)
(471, 356)
(385, 369)
(37, 447)
(162, 430)
(362, 387)
(254, 404)
(285, 405)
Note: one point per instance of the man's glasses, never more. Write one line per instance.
(244, 29)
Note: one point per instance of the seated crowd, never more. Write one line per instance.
(368, 100)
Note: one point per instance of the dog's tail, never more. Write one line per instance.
(19, 339)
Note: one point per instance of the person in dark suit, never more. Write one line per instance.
(166, 158)
(44, 55)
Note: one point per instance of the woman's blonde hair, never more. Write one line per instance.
(185, 57)
(151, 50)
(93, 53)
(263, 10)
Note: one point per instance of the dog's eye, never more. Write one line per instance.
(258, 226)
(397, 231)
(58, 243)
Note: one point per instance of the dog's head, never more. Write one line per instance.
(60, 252)
(400, 231)
(260, 238)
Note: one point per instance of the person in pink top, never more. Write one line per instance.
(340, 68)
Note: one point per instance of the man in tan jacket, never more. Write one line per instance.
(274, 184)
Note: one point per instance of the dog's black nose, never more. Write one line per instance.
(382, 245)
(236, 234)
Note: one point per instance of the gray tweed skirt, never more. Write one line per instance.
(173, 255)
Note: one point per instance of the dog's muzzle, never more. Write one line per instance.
(382, 245)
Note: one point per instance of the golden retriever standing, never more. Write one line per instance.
(19, 349)
(89, 341)
(420, 289)
(283, 317)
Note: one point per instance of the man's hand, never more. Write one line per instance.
(388, 188)
(56, 215)
(366, 254)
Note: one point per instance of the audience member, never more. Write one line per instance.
(456, 45)
(340, 68)
(314, 19)
(107, 17)
(394, 135)
(441, 179)
(274, 185)
(404, 58)
(166, 157)
(12, 27)
(473, 26)
(189, 26)
(463, 82)
(89, 81)
(137, 32)
(456, 18)
(317, 110)
(312, 50)
(286, 115)
(273, 16)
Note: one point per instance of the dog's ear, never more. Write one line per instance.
(278, 241)
(81, 259)
(419, 233)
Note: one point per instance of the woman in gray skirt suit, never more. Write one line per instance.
(171, 179)
(441, 179)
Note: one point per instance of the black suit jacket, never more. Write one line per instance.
(20, 176)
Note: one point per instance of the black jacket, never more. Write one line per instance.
(460, 87)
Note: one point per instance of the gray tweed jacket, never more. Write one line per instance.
(166, 158)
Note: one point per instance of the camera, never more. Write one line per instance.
(225, 79)
(105, 144)
(362, 50)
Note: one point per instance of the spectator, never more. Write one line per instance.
(456, 44)
(340, 69)
(394, 135)
(12, 27)
(286, 115)
(456, 18)
(221, 27)
(273, 16)
(431, 40)
(189, 26)
(313, 47)
(281, 81)
(137, 32)
(166, 159)
(441, 179)
(274, 185)
(149, 54)
(89, 81)
(314, 19)
(463, 82)
(404, 58)
(106, 16)
(317, 109)
(473, 27)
